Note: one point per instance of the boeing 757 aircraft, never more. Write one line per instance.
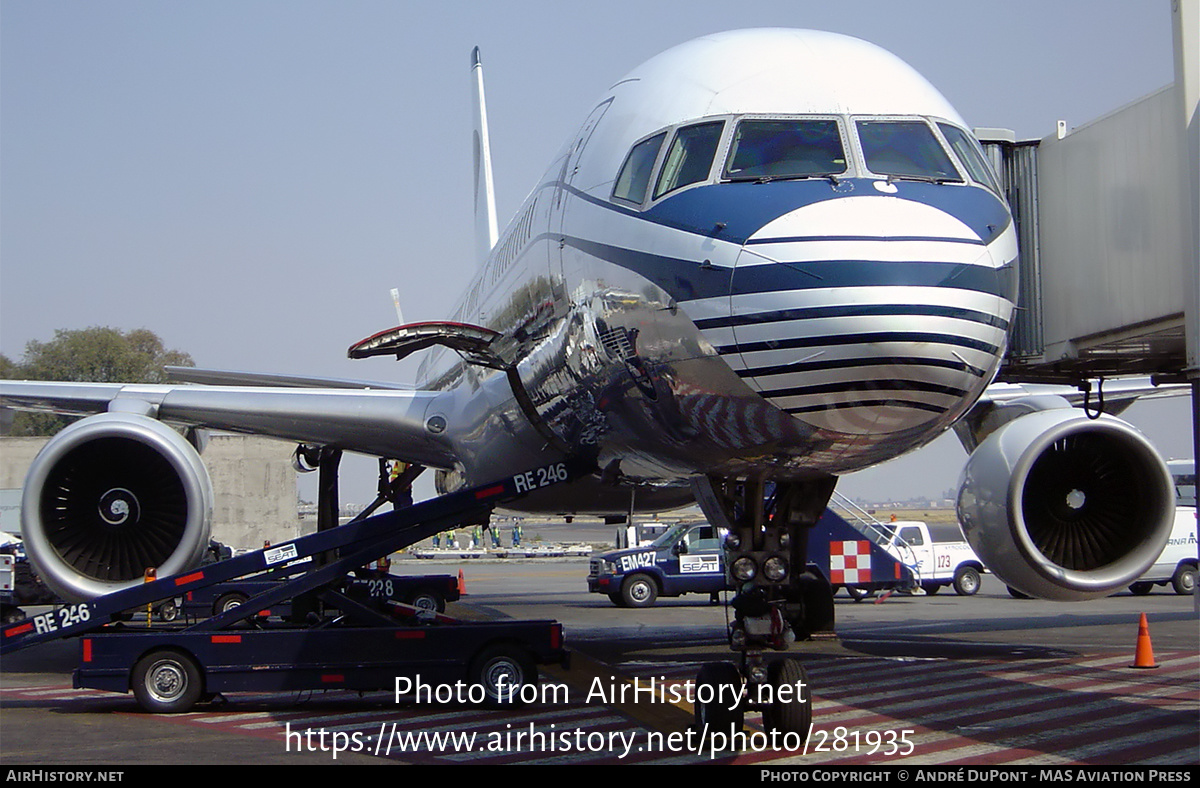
(767, 258)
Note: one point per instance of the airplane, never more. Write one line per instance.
(766, 259)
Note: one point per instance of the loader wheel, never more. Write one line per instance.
(167, 682)
(502, 670)
(228, 602)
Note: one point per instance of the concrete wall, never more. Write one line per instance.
(253, 481)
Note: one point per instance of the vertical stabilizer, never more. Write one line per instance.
(485, 197)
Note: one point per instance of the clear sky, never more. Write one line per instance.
(249, 179)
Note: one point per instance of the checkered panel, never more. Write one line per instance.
(850, 562)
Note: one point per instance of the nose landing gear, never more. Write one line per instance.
(780, 600)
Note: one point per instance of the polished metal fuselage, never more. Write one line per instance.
(781, 329)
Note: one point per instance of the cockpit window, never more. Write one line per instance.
(634, 178)
(770, 149)
(690, 157)
(970, 154)
(905, 149)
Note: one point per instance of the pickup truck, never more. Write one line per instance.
(687, 558)
(938, 555)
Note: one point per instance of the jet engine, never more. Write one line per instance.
(1064, 507)
(110, 496)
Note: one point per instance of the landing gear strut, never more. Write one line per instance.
(780, 600)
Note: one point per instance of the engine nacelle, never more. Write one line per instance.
(110, 496)
(1064, 507)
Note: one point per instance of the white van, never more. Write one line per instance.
(1177, 564)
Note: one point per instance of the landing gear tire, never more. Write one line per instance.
(1184, 581)
(717, 684)
(167, 682)
(967, 581)
(930, 588)
(502, 670)
(639, 591)
(1140, 589)
(790, 710)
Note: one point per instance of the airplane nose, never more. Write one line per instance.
(873, 314)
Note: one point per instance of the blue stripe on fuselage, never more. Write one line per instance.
(685, 280)
(745, 208)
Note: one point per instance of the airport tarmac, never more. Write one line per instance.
(911, 680)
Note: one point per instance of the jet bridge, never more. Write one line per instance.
(1104, 240)
(1107, 224)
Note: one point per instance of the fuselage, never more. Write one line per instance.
(770, 253)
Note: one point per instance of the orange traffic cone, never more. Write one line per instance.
(1144, 654)
(462, 584)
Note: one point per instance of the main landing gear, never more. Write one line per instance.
(780, 600)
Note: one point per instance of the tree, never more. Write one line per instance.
(97, 354)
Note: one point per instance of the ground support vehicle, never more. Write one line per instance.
(851, 560)
(8, 593)
(425, 592)
(365, 645)
(20, 585)
(938, 555)
(1177, 564)
(686, 559)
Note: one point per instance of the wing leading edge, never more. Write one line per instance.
(385, 423)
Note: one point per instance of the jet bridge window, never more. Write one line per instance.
(634, 178)
(690, 157)
(769, 149)
(905, 149)
(970, 154)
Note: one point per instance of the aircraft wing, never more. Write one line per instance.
(1116, 394)
(224, 377)
(384, 422)
(1002, 402)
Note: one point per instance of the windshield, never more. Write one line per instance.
(905, 149)
(770, 149)
(690, 157)
(970, 154)
(634, 179)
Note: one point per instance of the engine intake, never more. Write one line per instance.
(110, 496)
(1064, 507)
